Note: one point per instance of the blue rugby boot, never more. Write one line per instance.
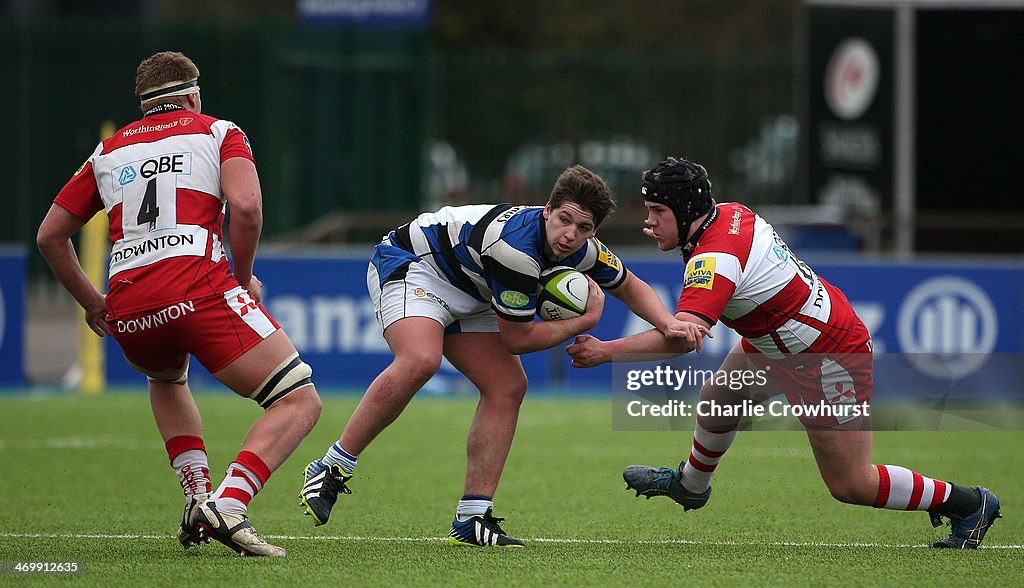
(651, 481)
(481, 531)
(968, 531)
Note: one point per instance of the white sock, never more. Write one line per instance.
(705, 453)
(472, 505)
(337, 455)
(903, 489)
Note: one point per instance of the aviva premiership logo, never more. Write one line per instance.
(700, 273)
(605, 256)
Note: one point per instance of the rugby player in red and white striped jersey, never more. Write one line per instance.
(739, 272)
(164, 182)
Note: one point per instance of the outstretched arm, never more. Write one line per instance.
(643, 301)
(589, 351)
(54, 241)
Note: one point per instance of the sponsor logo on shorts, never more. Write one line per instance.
(842, 392)
(514, 299)
(439, 300)
(246, 304)
(700, 273)
(421, 293)
(243, 304)
(155, 319)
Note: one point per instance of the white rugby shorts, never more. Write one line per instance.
(422, 292)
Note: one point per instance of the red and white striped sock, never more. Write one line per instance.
(188, 458)
(709, 445)
(903, 489)
(245, 478)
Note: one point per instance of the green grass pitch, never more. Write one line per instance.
(86, 479)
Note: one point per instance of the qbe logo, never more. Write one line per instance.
(127, 175)
(951, 322)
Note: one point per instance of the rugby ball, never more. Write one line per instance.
(562, 293)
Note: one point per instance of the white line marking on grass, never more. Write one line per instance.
(67, 443)
(534, 539)
(78, 536)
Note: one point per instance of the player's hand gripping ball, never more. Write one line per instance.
(562, 293)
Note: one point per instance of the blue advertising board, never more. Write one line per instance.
(12, 318)
(959, 308)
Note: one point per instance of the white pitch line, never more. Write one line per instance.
(535, 539)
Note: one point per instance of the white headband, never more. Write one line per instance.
(170, 89)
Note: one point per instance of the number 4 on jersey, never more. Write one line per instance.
(149, 210)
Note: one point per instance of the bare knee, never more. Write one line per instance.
(516, 391)
(841, 491)
(509, 391)
(844, 460)
(314, 406)
(418, 366)
(305, 403)
(852, 490)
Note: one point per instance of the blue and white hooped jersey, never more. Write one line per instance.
(492, 252)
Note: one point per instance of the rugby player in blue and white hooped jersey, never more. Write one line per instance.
(461, 282)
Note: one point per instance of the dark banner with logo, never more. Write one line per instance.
(850, 106)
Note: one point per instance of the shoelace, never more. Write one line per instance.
(936, 520)
(491, 522)
(342, 488)
(340, 478)
(664, 479)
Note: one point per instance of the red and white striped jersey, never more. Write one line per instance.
(159, 181)
(743, 274)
